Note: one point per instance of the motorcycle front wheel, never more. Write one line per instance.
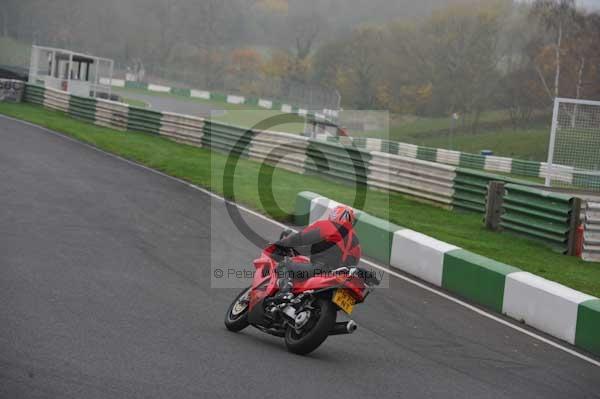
(236, 318)
(316, 331)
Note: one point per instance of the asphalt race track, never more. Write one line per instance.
(105, 293)
(172, 104)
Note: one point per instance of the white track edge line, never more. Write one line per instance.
(377, 266)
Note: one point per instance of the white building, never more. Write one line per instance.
(76, 73)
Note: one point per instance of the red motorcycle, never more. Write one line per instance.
(309, 317)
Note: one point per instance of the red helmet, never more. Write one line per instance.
(342, 214)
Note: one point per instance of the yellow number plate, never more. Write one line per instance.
(344, 300)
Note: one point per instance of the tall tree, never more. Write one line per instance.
(556, 18)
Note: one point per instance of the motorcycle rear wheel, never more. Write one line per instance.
(307, 341)
(236, 318)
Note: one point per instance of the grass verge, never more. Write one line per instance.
(205, 168)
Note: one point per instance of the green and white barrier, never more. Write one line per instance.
(488, 163)
(588, 325)
(34, 94)
(136, 85)
(419, 255)
(268, 104)
(119, 116)
(112, 82)
(159, 88)
(112, 114)
(543, 304)
(449, 157)
(548, 306)
(215, 96)
(200, 94)
(231, 99)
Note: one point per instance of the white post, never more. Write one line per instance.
(96, 78)
(112, 68)
(70, 69)
(33, 64)
(550, 164)
(52, 67)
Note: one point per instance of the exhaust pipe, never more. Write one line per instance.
(344, 328)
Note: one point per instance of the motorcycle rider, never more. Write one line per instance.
(333, 244)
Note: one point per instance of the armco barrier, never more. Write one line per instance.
(56, 100)
(488, 163)
(426, 180)
(83, 108)
(34, 94)
(342, 159)
(144, 120)
(342, 162)
(182, 128)
(337, 161)
(338, 157)
(470, 188)
(284, 150)
(539, 214)
(591, 235)
(466, 160)
(226, 138)
(548, 306)
(450, 157)
(112, 114)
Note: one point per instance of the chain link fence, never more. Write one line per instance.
(574, 151)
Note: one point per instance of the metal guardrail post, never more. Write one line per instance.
(575, 220)
(493, 205)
